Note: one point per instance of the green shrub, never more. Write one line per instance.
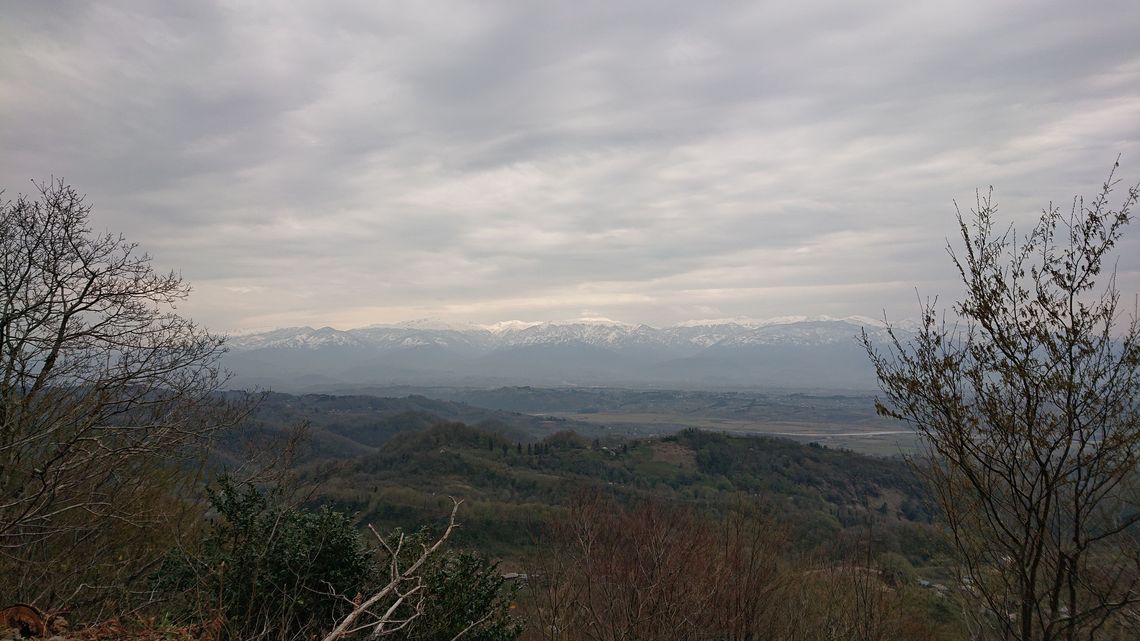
(269, 569)
(461, 588)
(896, 570)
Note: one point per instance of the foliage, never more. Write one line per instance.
(1029, 406)
(819, 491)
(465, 593)
(896, 570)
(267, 568)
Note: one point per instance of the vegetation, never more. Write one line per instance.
(108, 401)
(465, 595)
(511, 490)
(265, 568)
(1029, 406)
(658, 571)
(105, 393)
(269, 569)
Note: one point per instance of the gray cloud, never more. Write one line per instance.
(354, 162)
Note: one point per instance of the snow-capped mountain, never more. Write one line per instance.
(793, 351)
(297, 338)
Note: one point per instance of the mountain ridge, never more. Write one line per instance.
(591, 330)
(791, 352)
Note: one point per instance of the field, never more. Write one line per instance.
(867, 439)
(844, 420)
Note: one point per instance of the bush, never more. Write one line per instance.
(896, 570)
(269, 569)
(462, 588)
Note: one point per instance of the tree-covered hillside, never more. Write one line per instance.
(511, 488)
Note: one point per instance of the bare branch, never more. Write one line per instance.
(386, 622)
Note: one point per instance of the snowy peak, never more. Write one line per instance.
(790, 352)
(296, 338)
(589, 332)
(808, 332)
(509, 325)
(599, 332)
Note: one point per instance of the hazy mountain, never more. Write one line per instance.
(789, 352)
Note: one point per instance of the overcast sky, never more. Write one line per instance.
(349, 163)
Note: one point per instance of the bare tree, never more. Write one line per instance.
(1028, 403)
(102, 384)
(610, 573)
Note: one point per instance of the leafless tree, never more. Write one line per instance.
(102, 383)
(610, 573)
(1027, 400)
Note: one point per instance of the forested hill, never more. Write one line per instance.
(394, 462)
(347, 426)
(397, 463)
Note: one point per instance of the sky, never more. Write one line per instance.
(350, 163)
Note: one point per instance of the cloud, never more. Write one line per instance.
(353, 162)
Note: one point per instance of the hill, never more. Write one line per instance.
(354, 425)
(511, 488)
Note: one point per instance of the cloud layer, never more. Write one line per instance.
(346, 163)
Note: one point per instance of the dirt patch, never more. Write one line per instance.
(675, 454)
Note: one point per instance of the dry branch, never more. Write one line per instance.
(399, 578)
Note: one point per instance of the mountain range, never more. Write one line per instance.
(788, 353)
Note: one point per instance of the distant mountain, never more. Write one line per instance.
(789, 352)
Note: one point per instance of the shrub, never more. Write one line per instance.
(267, 569)
(464, 589)
(270, 570)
